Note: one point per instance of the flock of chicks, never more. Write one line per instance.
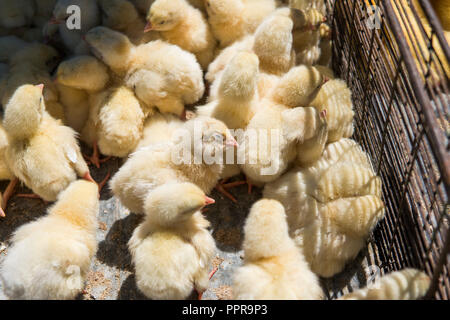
(123, 88)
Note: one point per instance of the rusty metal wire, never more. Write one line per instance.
(395, 59)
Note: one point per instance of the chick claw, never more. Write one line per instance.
(211, 274)
(7, 195)
(220, 187)
(95, 157)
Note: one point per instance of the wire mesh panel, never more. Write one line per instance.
(395, 58)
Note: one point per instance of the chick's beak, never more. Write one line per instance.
(231, 142)
(325, 80)
(148, 27)
(209, 201)
(40, 86)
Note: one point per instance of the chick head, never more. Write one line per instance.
(24, 111)
(39, 55)
(240, 77)
(112, 47)
(118, 14)
(165, 14)
(174, 203)
(82, 72)
(60, 13)
(211, 134)
(266, 230)
(299, 86)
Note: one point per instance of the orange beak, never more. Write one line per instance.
(40, 86)
(148, 27)
(2, 213)
(87, 176)
(209, 201)
(323, 113)
(325, 80)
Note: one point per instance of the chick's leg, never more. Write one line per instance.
(7, 195)
(211, 274)
(95, 157)
(221, 188)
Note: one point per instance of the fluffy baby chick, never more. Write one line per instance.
(73, 38)
(183, 25)
(335, 98)
(331, 206)
(161, 74)
(122, 16)
(233, 19)
(273, 134)
(271, 42)
(179, 160)
(76, 79)
(16, 13)
(115, 122)
(50, 257)
(325, 45)
(44, 11)
(41, 153)
(274, 269)
(237, 95)
(172, 250)
(406, 284)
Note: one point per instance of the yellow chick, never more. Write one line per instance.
(231, 20)
(185, 26)
(331, 206)
(76, 79)
(41, 153)
(161, 74)
(274, 268)
(271, 42)
(335, 98)
(186, 158)
(237, 95)
(122, 16)
(406, 284)
(16, 13)
(116, 120)
(50, 257)
(172, 249)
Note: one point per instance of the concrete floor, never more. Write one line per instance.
(111, 276)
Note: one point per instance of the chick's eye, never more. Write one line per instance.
(218, 137)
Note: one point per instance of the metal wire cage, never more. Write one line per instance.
(395, 58)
